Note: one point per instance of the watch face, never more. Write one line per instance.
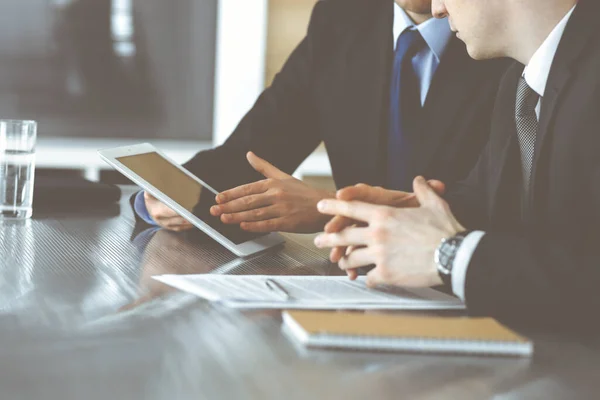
(445, 255)
(447, 252)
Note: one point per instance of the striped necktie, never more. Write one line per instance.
(527, 128)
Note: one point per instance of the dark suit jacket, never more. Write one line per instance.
(334, 89)
(550, 264)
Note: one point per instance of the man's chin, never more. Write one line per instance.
(477, 54)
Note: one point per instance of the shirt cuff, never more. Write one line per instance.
(462, 260)
(139, 206)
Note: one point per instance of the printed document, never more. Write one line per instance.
(308, 292)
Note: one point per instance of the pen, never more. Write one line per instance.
(276, 287)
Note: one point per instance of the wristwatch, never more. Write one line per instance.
(446, 253)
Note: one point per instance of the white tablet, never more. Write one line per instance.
(185, 194)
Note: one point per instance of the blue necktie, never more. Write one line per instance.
(405, 108)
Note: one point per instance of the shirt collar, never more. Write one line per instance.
(537, 71)
(435, 32)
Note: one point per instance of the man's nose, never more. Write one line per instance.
(438, 9)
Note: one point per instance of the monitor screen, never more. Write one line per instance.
(184, 190)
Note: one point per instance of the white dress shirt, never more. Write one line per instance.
(536, 75)
(437, 35)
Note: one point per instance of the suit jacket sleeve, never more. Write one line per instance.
(534, 275)
(547, 272)
(467, 198)
(281, 126)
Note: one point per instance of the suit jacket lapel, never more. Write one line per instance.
(363, 100)
(447, 94)
(573, 43)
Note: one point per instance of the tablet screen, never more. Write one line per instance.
(185, 191)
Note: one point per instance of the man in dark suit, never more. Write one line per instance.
(389, 91)
(533, 198)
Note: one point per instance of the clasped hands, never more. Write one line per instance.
(397, 232)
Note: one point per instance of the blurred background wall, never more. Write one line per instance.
(104, 73)
(287, 24)
(109, 68)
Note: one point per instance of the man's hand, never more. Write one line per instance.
(278, 203)
(164, 216)
(400, 242)
(372, 195)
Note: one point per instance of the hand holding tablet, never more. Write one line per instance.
(164, 216)
(185, 194)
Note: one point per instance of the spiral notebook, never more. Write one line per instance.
(346, 330)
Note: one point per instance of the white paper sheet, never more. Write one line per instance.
(308, 292)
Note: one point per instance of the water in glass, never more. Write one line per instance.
(16, 183)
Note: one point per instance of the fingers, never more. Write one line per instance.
(149, 197)
(260, 214)
(271, 225)
(371, 194)
(245, 203)
(352, 209)
(242, 191)
(352, 274)
(348, 237)
(165, 216)
(360, 191)
(356, 259)
(338, 223)
(176, 224)
(379, 195)
(265, 168)
(336, 254)
(438, 186)
(157, 209)
(425, 194)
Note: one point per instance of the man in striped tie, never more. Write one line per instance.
(519, 236)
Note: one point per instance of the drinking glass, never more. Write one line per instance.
(17, 165)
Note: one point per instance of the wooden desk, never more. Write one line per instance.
(80, 318)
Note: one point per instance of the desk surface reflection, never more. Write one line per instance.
(80, 317)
